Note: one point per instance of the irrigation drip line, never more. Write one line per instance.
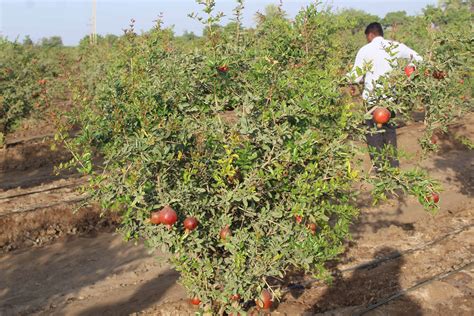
(34, 181)
(27, 140)
(374, 263)
(25, 210)
(437, 277)
(41, 190)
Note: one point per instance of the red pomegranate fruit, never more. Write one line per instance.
(439, 75)
(409, 70)
(434, 197)
(265, 300)
(381, 116)
(223, 68)
(225, 233)
(168, 216)
(312, 227)
(235, 297)
(155, 218)
(190, 223)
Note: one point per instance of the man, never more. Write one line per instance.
(373, 61)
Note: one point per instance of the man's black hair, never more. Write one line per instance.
(375, 28)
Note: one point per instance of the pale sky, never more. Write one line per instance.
(70, 19)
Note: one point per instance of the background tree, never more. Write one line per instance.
(27, 41)
(53, 41)
(188, 36)
(394, 19)
(358, 19)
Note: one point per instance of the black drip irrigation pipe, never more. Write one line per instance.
(374, 263)
(31, 209)
(27, 140)
(437, 277)
(41, 190)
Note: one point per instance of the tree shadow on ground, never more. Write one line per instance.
(367, 286)
(37, 278)
(368, 223)
(31, 164)
(385, 216)
(147, 295)
(455, 157)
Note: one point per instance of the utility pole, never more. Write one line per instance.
(93, 35)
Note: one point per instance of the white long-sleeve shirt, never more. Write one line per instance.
(378, 58)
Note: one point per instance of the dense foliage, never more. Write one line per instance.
(29, 80)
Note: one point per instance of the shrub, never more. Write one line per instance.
(27, 74)
(262, 149)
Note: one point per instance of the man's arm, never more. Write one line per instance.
(408, 53)
(354, 75)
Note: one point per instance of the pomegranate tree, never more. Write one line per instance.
(27, 73)
(257, 166)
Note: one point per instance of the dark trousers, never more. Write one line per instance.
(379, 141)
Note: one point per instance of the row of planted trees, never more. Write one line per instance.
(29, 80)
(36, 77)
(23, 64)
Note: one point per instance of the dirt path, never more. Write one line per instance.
(37, 205)
(84, 276)
(401, 261)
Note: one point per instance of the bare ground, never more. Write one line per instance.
(401, 261)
